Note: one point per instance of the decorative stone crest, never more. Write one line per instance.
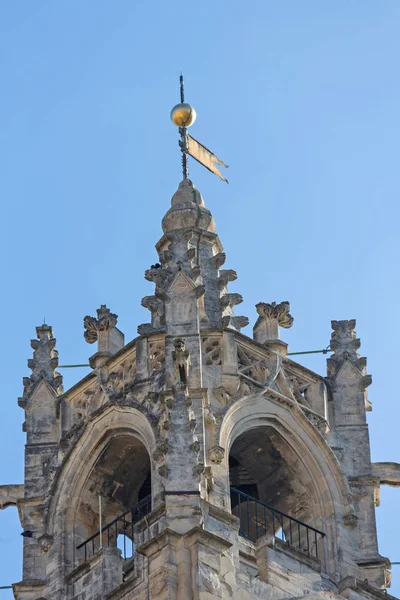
(344, 341)
(95, 327)
(103, 330)
(271, 317)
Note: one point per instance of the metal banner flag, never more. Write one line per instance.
(204, 156)
(183, 115)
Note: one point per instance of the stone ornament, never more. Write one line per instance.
(161, 450)
(271, 317)
(156, 306)
(276, 312)
(105, 321)
(45, 542)
(163, 471)
(181, 358)
(44, 362)
(195, 447)
(199, 469)
(217, 454)
(344, 341)
(208, 479)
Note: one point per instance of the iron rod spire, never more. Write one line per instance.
(182, 131)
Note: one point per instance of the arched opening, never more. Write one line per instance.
(272, 491)
(119, 483)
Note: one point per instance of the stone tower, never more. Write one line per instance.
(216, 466)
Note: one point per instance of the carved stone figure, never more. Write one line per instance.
(181, 358)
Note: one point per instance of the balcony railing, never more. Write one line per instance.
(119, 533)
(257, 519)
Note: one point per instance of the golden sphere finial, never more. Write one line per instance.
(183, 115)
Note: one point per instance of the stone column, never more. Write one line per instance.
(348, 381)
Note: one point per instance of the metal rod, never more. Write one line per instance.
(182, 493)
(182, 131)
(124, 538)
(256, 524)
(101, 524)
(132, 532)
(265, 520)
(324, 351)
(71, 366)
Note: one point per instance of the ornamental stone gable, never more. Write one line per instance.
(195, 462)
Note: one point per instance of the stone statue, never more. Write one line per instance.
(181, 358)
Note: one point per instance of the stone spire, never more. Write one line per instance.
(43, 364)
(191, 257)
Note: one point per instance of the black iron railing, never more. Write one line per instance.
(119, 533)
(257, 519)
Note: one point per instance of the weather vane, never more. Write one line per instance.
(183, 115)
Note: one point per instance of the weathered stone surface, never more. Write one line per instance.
(388, 473)
(189, 434)
(10, 494)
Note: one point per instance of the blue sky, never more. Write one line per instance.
(301, 99)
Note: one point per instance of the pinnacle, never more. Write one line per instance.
(187, 193)
(190, 246)
(187, 210)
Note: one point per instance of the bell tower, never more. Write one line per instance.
(194, 461)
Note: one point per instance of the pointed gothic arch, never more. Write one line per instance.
(309, 472)
(123, 431)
